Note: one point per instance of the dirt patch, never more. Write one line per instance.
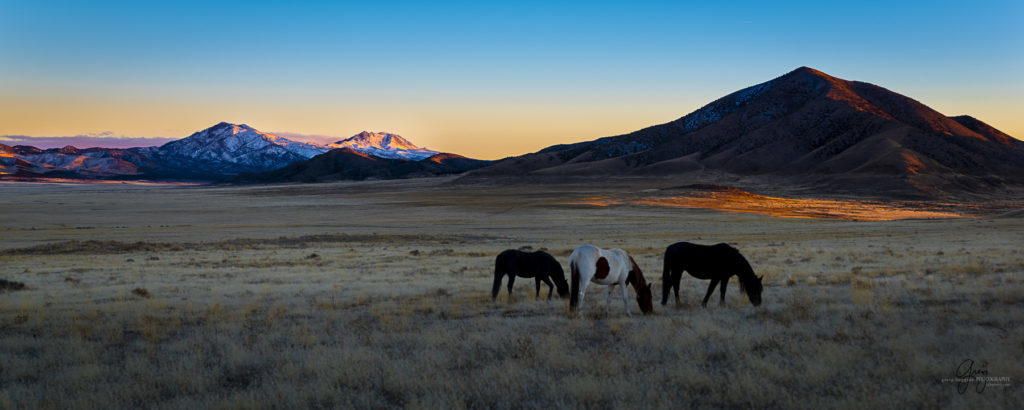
(6, 285)
(115, 247)
(723, 198)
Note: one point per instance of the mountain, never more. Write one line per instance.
(985, 130)
(222, 150)
(228, 149)
(384, 145)
(349, 164)
(805, 128)
(71, 162)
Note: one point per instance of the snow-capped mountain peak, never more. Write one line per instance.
(384, 145)
(382, 140)
(239, 146)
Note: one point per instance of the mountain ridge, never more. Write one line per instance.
(348, 164)
(217, 152)
(836, 135)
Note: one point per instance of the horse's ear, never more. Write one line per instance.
(759, 278)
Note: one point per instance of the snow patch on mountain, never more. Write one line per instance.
(710, 113)
(384, 145)
(239, 143)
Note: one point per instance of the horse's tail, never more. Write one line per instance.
(666, 272)
(497, 277)
(666, 278)
(574, 285)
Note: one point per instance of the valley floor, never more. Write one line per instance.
(377, 294)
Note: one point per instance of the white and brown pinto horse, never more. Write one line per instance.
(608, 267)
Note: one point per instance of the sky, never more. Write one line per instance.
(482, 79)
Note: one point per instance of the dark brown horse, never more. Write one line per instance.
(715, 262)
(538, 265)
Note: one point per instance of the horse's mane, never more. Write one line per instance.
(636, 276)
(746, 274)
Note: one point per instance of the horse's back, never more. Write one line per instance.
(701, 258)
(525, 263)
(584, 253)
(620, 257)
(697, 250)
(618, 265)
(508, 261)
(541, 258)
(724, 248)
(509, 255)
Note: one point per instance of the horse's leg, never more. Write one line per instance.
(551, 286)
(583, 289)
(497, 284)
(625, 300)
(711, 289)
(677, 277)
(666, 283)
(537, 280)
(608, 301)
(725, 282)
(511, 280)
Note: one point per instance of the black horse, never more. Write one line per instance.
(716, 262)
(538, 265)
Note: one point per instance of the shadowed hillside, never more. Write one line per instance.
(808, 128)
(347, 164)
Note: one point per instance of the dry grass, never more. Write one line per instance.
(394, 308)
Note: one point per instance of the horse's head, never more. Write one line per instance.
(644, 296)
(753, 289)
(558, 276)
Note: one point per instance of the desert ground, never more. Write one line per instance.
(376, 294)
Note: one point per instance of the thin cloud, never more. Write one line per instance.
(102, 139)
(313, 138)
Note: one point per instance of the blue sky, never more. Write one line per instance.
(484, 79)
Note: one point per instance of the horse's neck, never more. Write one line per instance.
(745, 277)
(635, 279)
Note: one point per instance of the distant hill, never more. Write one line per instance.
(804, 128)
(348, 164)
(70, 162)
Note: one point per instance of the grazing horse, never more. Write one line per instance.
(716, 262)
(608, 267)
(538, 265)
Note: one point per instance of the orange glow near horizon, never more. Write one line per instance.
(745, 202)
(488, 130)
(484, 132)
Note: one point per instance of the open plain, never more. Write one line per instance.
(376, 294)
